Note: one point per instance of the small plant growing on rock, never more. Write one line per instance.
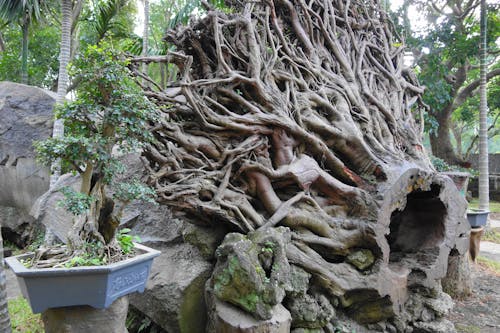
(110, 115)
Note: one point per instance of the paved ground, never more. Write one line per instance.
(488, 249)
(480, 313)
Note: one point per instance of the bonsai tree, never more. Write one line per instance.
(109, 116)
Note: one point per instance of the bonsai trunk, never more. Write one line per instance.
(99, 223)
(287, 113)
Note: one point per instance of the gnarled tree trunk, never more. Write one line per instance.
(299, 114)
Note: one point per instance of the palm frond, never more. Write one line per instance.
(183, 15)
(12, 10)
(105, 20)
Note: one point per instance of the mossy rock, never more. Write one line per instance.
(252, 271)
(361, 259)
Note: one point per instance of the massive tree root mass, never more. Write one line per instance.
(301, 114)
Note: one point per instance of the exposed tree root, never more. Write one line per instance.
(294, 113)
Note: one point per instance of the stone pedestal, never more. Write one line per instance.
(85, 319)
(230, 319)
(475, 240)
(458, 283)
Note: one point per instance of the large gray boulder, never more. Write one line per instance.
(16, 225)
(26, 114)
(48, 211)
(174, 295)
(229, 318)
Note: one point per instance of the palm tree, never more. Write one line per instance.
(4, 313)
(64, 55)
(483, 114)
(62, 86)
(145, 35)
(24, 12)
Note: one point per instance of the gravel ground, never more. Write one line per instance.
(479, 313)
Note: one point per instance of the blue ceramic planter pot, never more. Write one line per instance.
(97, 286)
(477, 217)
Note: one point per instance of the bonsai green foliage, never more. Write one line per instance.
(126, 241)
(109, 115)
(76, 203)
(127, 192)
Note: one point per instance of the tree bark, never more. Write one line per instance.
(145, 36)
(62, 85)
(24, 52)
(441, 144)
(299, 114)
(484, 199)
(2, 43)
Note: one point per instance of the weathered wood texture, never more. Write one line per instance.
(301, 114)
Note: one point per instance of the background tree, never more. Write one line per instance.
(447, 57)
(42, 57)
(484, 198)
(112, 19)
(23, 12)
(465, 122)
(145, 35)
(105, 19)
(62, 85)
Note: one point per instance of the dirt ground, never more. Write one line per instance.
(480, 313)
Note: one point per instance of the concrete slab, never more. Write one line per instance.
(490, 250)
